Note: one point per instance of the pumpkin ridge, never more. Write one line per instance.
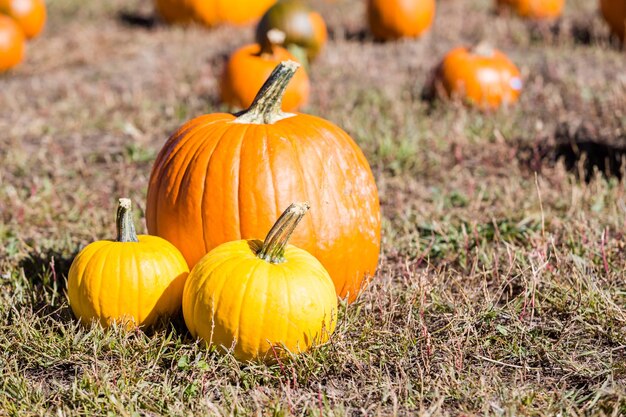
(90, 250)
(223, 138)
(318, 190)
(266, 140)
(192, 152)
(296, 143)
(102, 266)
(163, 164)
(263, 312)
(287, 288)
(244, 295)
(217, 294)
(239, 151)
(218, 135)
(186, 155)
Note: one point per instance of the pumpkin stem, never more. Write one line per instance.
(266, 107)
(273, 249)
(484, 49)
(125, 224)
(273, 37)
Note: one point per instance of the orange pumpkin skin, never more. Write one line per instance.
(248, 68)
(29, 14)
(12, 43)
(614, 12)
(487, 79)
(394, 19)
(212, 12)
(534, 9)
(218, 179)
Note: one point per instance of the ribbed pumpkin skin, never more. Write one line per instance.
(246, 71)
(212, 12)
(29, 14)
(614, 12)
(534, 9)
(233, 298)
(301, 25)
(216, 181)
(487, 81)
(12, 43)
(394, 19)
(132, 283)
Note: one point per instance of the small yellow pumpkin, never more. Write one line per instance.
(258, 298)
(132, 280)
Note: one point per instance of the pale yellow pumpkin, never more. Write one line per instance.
(257, 299)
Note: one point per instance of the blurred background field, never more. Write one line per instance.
(502, 281)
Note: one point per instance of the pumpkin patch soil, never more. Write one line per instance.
(501, 288)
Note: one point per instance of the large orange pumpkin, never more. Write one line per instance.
(534, 9)
(224, 177)
(212, 12)
(614, 12)
(12, 43)
(29, 14)
(393, 19)
(248, 68)
(482, 75)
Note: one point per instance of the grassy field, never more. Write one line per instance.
(501, 288)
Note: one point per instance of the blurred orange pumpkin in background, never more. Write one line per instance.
(212, 12)
(534, 9)
(249, 67)
(30, 15)
(394, 19)
(481, 75)
(12, 43)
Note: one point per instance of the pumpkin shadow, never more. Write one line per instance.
(46, 275)
(582, 153)
(134, 19)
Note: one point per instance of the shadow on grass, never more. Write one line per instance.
(133, 19)
(583, 152)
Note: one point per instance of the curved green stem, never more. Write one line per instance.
(125, 224)
(266, 107)
(273, 249)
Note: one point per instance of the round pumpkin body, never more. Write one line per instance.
(248, 68)
(394, 19)
(132, 283)
(221, 178)
(614, 12)
(12, 43)
(29, 14)
(212, 12)
(483, 76)
(235, 300)
(534, 9)
(302, 27)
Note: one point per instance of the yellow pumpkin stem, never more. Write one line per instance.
(125, 224)
(266, 107)
(273, 249)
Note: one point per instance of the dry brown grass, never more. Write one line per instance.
(499, 292)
